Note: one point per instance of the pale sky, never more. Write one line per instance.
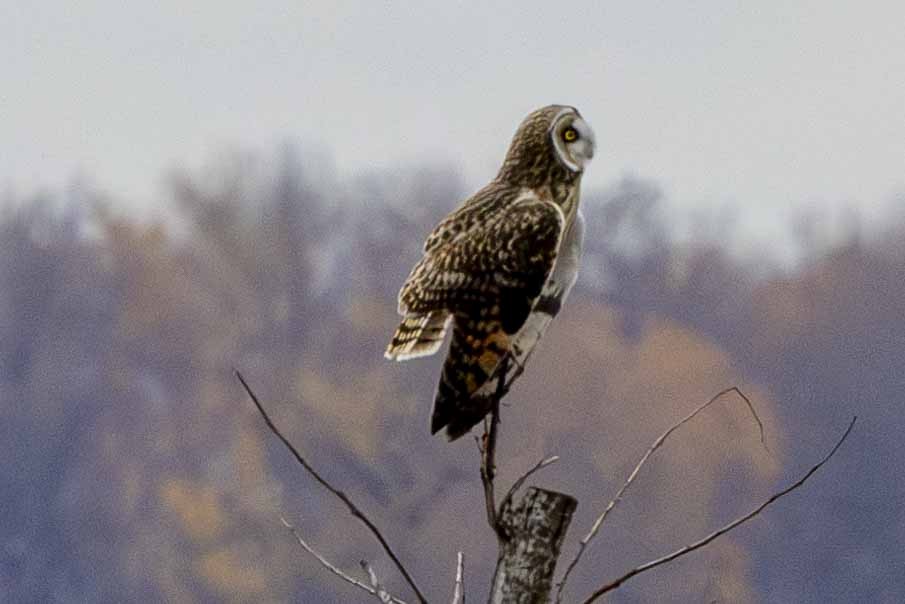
(768, 106)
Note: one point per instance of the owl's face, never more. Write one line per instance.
(572, 138)
(553, 143)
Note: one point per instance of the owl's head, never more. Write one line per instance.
(572, 138)
(553, 142)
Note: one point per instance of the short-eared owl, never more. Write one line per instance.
(498, 268)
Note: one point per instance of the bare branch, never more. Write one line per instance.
(329, 566)
(507, 500)
(488, 450)
(459, 591)
(631, 478)
(382, 593)
(753, 411)
(725, 529)
(353, 509)
(488, 466)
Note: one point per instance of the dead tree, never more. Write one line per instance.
(530, 528)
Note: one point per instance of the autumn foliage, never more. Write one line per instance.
(135, 469)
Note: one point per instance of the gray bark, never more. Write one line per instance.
(533, 532)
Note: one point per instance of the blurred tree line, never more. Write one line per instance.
(135, 470)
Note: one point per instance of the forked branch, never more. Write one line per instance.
(487, 447)
(353, 509)
(382, 594)
(725, 529)
(333, 568)
(631, 478)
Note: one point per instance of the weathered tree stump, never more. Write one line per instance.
(533, 532)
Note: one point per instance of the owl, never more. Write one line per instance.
(497, 269)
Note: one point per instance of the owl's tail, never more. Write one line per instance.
(476, 350)
(419, 335)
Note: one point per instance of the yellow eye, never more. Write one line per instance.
(569, 134)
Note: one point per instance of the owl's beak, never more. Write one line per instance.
(588, 141)
(584, 152)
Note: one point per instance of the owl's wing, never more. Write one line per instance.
(502, 259)
(489, 257)
(471, 214)
(488, 278)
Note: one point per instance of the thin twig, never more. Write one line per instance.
(488, 466)
(631, 478)
(507, 500)
(487, 448)
(459, 590)
(725, 529)
(382, 594)
(488, 451)
(353, 509)
(329, 566)
(760, 424)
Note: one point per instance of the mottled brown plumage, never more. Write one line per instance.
(488, 267)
